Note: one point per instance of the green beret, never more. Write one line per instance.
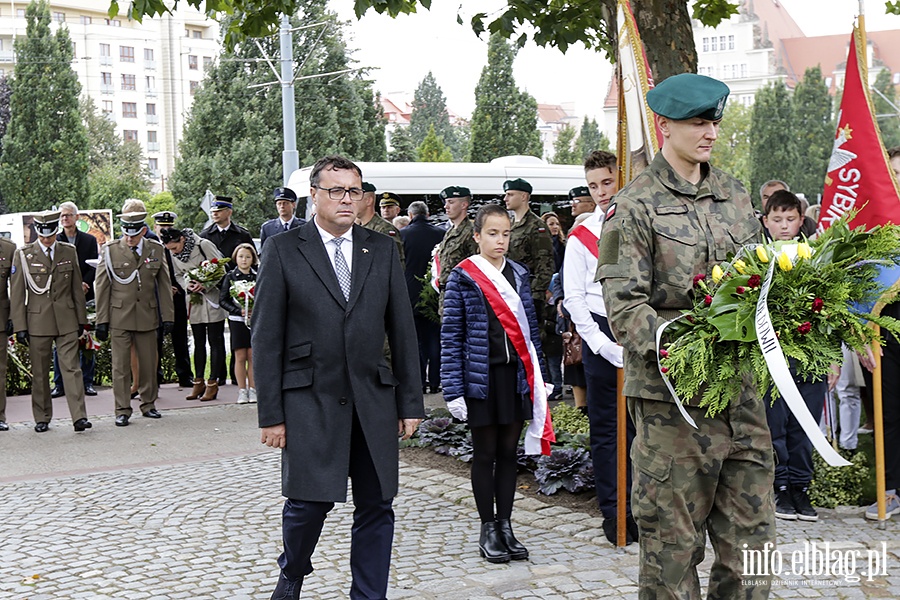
(517, 184)
(368, 187)
(689, 95)
(389, 199)
(455, 191)
(579, 192)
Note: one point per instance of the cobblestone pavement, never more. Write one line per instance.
(211, 529)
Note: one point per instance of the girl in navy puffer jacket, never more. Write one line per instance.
(485, 382)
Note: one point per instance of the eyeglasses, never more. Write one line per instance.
(64, 215)
(338, 193)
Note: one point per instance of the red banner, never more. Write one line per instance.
(859, 174)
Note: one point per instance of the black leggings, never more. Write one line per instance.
(494, 469)
(215, 333)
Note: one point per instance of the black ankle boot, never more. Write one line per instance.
(491, 545)
(516, 550)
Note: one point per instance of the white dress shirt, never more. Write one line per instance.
(582, 295)
(330, 247)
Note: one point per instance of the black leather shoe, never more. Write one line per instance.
(516, 550)
(57, 392)
(82, 424)
(287, 589)
(153, 414)
(632, 534)
(90, 391)
(4, 426)
(186, 383)
(134, 395)
(41, 427)
(611, 528)
(122, 421)
(436, 389)
(491, 546)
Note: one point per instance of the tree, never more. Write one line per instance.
(886, 104)
(116, 168)
(505, 119)
(44, 154)
(591, 138)
(5, 98)
(432, 149)
(813, 134)
(772, 149)
(233, 137)
(565, 151)
(429, 110)
(731, 152)
(404, 148)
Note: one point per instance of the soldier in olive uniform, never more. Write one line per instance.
(7, 248)
(48, 304)
(529, 241)
(459, 241)
(369, 219)
(134, 292)
(675, 220)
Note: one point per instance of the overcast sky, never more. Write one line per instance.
(404, 49)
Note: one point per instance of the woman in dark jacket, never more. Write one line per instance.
(484, 375)
(245, 259)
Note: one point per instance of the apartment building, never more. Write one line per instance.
(141, 76)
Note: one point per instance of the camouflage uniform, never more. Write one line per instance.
(458, 244)
(379, 224)
(531, 245)
(659, 233)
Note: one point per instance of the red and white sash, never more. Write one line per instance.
(508, 306)
(587, 238)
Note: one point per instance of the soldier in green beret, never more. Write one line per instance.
(459, 242)
(369, 219)
(675, 220)
(529, 242)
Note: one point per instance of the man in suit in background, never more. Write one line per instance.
(86, 247)
(165, 220)
(285, 204)
(327, 295)
(7, 249)
(48, 306)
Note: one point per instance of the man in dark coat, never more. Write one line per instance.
(166, 220)
(419, 240)
(86, 248)
(327, 295)
(285, 204)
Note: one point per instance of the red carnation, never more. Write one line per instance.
(689, 318)
(804, 327)
(253, 290)
(663, 352)
(818, 304)
(698, 278)
(664, 369)
(754, 281)
(740, 289)
(242, 295)
(707, 300)
(214, 261)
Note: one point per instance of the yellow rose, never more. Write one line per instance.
(740, 266)
(804, 251)
(761, 254)
(784, 261)
(717, 274)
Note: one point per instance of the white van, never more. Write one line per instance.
(425, 180)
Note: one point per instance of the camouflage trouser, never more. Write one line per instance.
(687, 482)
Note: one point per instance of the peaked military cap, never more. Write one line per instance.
(46, 223)
(389, 199)
(455, 191)
(369, 188)
(132, 222)
(579, 192)
(221, 203)
(166, 217)
(689, 95)
(517, 184)
(285, 194)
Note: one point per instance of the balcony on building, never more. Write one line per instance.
(150, 65)
(106, 60)
(107, 88)
(152, 146)
(7, 56)
(150, 93)
(152, 119)
(154, 173)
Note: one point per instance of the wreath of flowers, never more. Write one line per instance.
(244, 293)
(821, 294)
(208, 274)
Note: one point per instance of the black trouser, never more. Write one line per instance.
(793, 448)
(215, 333)
(180, 341)
(890, 389)
(429, 337)
(602, 398)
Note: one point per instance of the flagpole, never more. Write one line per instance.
(621, 441)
